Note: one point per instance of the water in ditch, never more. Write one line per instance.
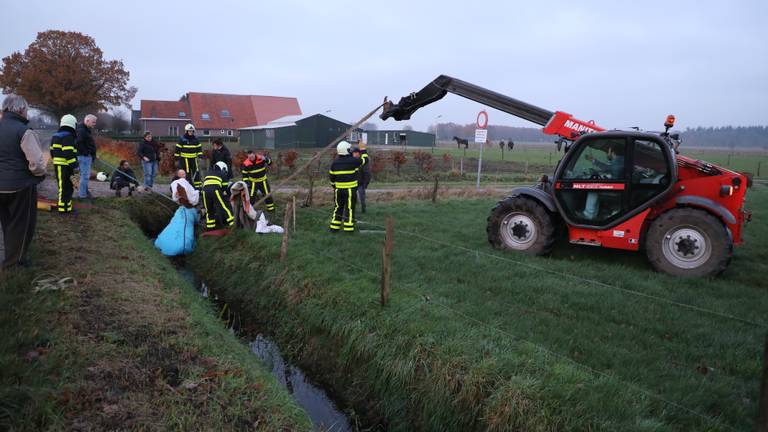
(323, 412)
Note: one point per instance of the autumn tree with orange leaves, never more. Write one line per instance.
(66, 73)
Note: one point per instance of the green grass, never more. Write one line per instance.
(133, 346)
(489, 340)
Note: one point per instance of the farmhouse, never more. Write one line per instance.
(311, 131)
(213, 114)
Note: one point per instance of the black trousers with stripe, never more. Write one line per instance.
(18, 217)
(217, 212)
(345, 200)
(193, 171)
(64, 181)
(264, 189)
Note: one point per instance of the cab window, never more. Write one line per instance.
(600, 159)
(650, 175)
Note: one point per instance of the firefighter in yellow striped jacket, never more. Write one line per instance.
(254, 171)
(217, 212)
(188, 149)
(64, 157)
(344, 175)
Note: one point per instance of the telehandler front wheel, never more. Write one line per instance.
(688, 242)
(521, 224)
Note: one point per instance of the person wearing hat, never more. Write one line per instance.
(344, 175)
(217, 212)
(188, 149)
(64, 158)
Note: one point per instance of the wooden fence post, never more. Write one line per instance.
(386, 266)
(461, 166)
(762, 406)
(286, 227)
(434, 190)
(311, 193)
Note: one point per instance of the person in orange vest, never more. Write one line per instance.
(254, 171)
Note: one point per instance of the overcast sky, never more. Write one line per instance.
(619, 63)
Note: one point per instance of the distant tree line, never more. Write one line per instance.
(752, 137)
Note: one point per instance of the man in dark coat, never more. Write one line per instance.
(86, 153)
(220, 154)
(22, 167)
(123, 177)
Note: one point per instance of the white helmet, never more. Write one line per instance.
(189, 127)
(222, 166)
(343, 148)
(68, 120)
(102, 176)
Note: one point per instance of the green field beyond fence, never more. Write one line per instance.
(478, 339)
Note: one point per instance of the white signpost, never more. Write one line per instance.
(481, 137)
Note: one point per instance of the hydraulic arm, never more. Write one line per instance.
(554, 123)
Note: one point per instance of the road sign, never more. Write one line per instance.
(482, 120)
(481, 136)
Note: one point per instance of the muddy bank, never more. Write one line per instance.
(131, 346)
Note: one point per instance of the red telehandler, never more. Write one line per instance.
(616, 189)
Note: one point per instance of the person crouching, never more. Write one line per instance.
(217, 212)
(123, 177)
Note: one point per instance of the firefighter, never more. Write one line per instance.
(344, 174)
(217, 212)
(188, 149)
(64, 157)
(254, 170)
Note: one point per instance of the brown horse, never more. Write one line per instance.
(460, 141)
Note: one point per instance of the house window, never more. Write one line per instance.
(182, 114)
(225, 113)
(230, 132)
(206, 132)
(269, 133)
(173, 130)
(222, 132)
(205, 116)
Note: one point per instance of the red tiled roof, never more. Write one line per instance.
(244, 110)
(164, 109)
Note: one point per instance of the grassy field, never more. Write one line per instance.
(132, 346)
(477, 339)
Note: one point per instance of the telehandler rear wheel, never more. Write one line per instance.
(688, 242)
(522, 224)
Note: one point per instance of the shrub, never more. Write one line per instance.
(289, 159)
(398, 160)
(424, 161)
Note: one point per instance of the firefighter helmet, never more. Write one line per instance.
(189, 127)
(343, 148)
(222, 166)
(68, 120)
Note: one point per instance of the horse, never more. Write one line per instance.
(460, 141)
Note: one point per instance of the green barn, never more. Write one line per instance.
(400, 138)
(313, 131)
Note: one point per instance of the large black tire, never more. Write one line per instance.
(521, 224)
(688, 242)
